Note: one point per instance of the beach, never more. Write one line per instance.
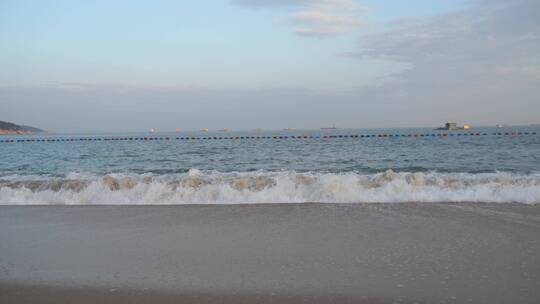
(271, 253)
(270, 151)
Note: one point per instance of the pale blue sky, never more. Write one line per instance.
(216, 44)
(343, 52)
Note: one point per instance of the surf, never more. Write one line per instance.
(213, 187)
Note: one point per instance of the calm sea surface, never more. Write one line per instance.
(260, 168)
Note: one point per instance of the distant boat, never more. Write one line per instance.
(289, 129)
(223, 130)
(204, 130)
(452, 126)
(152, 130)
(333, 127)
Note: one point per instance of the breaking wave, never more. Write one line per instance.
(196, 187)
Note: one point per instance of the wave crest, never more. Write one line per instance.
(196, 187)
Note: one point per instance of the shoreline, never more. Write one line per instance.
(390, 205)
(90, 295)
(264, 253)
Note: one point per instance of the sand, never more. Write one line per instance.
(276, 253)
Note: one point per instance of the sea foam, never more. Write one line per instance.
(196, 187)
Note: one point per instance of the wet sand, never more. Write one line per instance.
(277, 253)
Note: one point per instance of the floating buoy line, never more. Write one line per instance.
(273, 137)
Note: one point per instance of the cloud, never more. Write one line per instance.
(270, 3)
(480, 43)
(478, 64)
(316, 18)
(327, 18)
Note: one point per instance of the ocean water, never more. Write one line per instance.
(382, 166)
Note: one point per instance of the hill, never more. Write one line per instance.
(11, 128)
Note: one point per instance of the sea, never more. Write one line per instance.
(489, 165)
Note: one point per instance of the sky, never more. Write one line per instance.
(115, 66)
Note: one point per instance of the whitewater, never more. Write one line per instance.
(196, 187)
(440, 169)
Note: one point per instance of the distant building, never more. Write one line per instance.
(14, 132)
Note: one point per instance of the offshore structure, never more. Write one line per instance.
(333, 127)
(452, 126)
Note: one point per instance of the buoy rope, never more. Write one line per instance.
(265, 137)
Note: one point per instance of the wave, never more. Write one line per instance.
(196, 187)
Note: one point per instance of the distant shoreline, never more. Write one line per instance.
(9, 128)
(36, 131)
(15, 132)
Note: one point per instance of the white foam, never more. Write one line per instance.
(196, 187)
